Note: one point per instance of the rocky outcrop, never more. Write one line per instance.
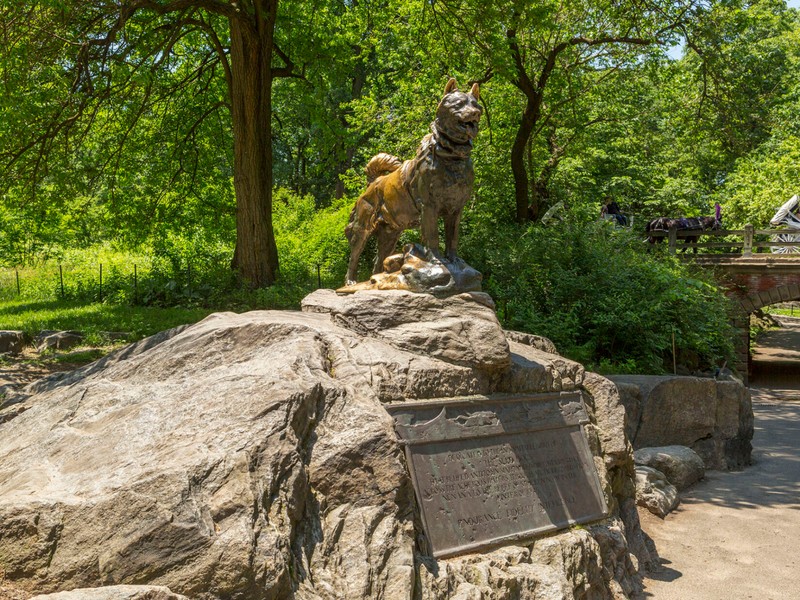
(713, 418)
(529, 339)
(250, 457)
(115, 592)
(574, 564)
(461, 330)
(680, 465)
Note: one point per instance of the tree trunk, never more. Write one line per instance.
(256, 255)
(518, 160)
(540, 186)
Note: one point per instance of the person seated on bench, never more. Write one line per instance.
(611, 210)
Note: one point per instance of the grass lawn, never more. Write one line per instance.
(33, 316)
(33, 299)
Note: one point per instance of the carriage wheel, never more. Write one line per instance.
(785, 237)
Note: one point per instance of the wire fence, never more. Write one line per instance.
(63, 280)
(135, 283)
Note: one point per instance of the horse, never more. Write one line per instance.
(682, 224)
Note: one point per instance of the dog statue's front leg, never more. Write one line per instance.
(387, 241)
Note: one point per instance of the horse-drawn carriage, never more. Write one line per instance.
(691, 227)
(786, 215)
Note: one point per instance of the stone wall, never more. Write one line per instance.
(713, 418)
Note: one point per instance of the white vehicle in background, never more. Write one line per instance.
(786, 216)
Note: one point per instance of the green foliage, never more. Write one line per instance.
(741, 55)
(192, 269)
(762, 181)
(308, 238)
(128, 160)
(600, 296)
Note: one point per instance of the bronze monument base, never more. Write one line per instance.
(419, 269)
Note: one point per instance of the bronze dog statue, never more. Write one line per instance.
(436, 182)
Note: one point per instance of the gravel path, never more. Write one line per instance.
(735, 534)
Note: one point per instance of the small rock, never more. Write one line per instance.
(115, 336)
(58, 340)
(11, 341)
(654, 492)
(681, 466)
(116, 592)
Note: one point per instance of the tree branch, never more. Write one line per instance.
(288, 68)
(213, 6)
(218, 48)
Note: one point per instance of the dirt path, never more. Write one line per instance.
(735, 534)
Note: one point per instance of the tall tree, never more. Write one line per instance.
(109, 50)
(553, 52)
(738, 61)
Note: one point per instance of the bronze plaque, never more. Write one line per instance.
(493, 470)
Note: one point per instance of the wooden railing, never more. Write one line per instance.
(745, 242)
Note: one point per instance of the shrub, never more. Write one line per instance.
(600, 295)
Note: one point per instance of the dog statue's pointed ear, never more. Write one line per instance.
(452, 86)
(475, 91)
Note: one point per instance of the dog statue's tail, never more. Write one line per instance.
(378, 165)
(381, 164)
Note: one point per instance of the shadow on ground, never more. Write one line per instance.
(773, 478)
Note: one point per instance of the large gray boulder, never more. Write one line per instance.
(250, 457)
(713, 418)
(680, 465)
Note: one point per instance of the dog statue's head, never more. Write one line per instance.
(458, 113)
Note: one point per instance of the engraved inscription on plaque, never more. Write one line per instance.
(493, 470)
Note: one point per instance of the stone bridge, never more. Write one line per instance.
(753, 282)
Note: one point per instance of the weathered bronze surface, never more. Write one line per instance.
(437, 182)
(488, 471)
(417, 269)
